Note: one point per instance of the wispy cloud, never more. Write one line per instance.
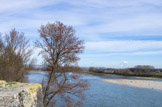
(119, 46)
(133, 54)
(94, 21)
(89, 16)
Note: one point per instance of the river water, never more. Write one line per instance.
(104, 94)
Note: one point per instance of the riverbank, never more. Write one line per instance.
(137, 83)
(131, 76)
(139, 71)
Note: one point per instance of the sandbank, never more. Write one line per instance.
(137, 83)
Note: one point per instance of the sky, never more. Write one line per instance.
(117, 33)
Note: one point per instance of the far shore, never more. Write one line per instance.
(137, 83)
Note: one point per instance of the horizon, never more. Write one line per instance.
(102, 67)
(117, 34)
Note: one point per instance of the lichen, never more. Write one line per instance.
(20, 94)
(32, 91)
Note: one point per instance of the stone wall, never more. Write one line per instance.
(14, 94)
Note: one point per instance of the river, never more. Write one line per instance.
(104, 94)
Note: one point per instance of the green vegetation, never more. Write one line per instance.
(11, 83)
(140, 70)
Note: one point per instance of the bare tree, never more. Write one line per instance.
(14, 56)
(60, 47)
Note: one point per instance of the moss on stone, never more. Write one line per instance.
(11, 83)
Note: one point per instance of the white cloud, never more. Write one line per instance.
(121, 46)
(147, 53)
(113, 3)
(19, 5)
(106, 16)
(91, 19)
(101, 55)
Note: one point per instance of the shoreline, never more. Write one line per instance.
(136, 76)
(137, 83)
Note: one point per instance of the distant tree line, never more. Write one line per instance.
(139, 70)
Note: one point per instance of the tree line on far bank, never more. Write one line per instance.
(139, 70)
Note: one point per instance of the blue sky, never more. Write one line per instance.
(116, 32)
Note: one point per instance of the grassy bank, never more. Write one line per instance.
(138, 71)
(153, 73)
